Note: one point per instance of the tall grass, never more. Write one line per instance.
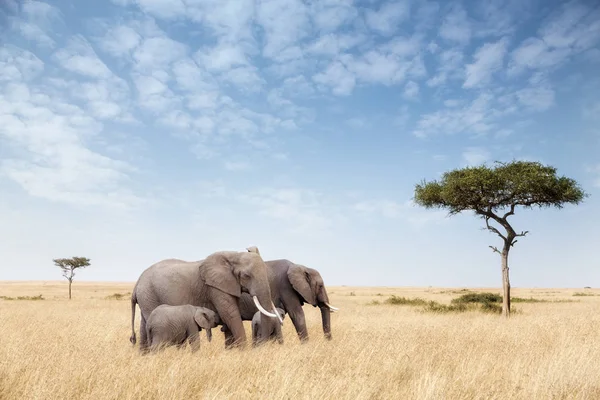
(79, 349)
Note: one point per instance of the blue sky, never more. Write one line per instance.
(137, 130)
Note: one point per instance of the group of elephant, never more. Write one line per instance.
(178, 299)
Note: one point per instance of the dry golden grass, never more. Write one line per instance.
(79, 349)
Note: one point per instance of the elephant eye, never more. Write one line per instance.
(245, 275)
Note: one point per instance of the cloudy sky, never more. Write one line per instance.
(137, 130)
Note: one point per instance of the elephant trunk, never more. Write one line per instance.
(209, 334)
(326, 319)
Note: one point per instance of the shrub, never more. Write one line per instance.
(116, 296)
(403, 301)
(481, 298)
(529, 300)
(38, 297)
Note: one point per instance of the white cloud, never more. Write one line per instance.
(407, 211)
(332, 44)
(337, 77)
(302, 210)
(236, 165)
(456, 26)
(158, 52)
(411, 90)
(488, 59)
(476, 118)
(166, 9)
(386, 20)
(571, 29)
(283, 23)
(79, 56)
(17, 64)
(330, 17)
(474, 156)
(222, 57)
(450, 66)
(51, 134)
(537, 98)
(120, 40)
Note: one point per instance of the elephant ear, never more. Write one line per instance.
(201, 318)
(217, 271)
(299, 279)
(253, 249)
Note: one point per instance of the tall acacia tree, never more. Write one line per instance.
(69, 265)
(494, 193)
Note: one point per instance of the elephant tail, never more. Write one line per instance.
(132, 338)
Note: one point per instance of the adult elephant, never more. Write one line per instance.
(291, 286)
(217, 283)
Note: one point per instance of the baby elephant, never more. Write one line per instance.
(172, 325)
(264, 329)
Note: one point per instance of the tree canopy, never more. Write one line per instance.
(69, 265)
(505, 186)
(493, 193)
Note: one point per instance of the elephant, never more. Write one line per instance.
(264, 329)
(291, 286)
(216, 282)
(173, 325)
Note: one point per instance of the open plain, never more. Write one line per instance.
(54, 348)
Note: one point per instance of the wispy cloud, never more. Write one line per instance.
(488, 59)
(474, 156)
(456, 26)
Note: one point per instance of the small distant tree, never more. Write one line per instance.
(69, 265)
(494, 193)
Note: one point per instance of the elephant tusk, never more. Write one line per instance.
(332, 308)
(276, 313)
(261, 309)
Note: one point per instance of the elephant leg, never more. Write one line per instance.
(229, 312)
(193, 335)
(255, 329)
(297, 317)
(265, 329)
(228, 336)
(278, 334)
(143, 334)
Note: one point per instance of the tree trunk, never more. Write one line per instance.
(505, 281)
(70, 281)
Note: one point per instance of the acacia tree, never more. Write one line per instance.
(69, 265)
(494, 193)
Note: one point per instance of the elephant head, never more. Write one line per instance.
(236, 272)
(309, 284)
(206, 319)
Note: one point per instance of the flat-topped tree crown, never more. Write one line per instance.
(490, 190)
(481, 188)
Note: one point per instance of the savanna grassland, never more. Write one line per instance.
(53, 348)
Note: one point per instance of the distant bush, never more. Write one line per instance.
(435, 307)
(403, 301)
(529, 300)
(481, 298)
(583, 294)
(117, 296)
(485, 302)
(38, 297)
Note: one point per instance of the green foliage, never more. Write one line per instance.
(517, 183)
(583, 294)
(404, 301)
(38, 297)
(529, 300)
(481, 298)
(69, 265)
